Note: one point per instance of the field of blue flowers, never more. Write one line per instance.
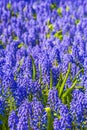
(43, 65)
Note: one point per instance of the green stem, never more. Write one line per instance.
(49, 118)
(64, 81)
(51, 79)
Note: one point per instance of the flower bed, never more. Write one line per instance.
(43, 65)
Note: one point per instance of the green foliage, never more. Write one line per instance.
(59, 35)
(59, 11)
(48, 35)
(40, 79)
(69, 90)
(45, 92)
(77, 21)
(50, 26)
(20, 45)
(34, 69)
(66, 96)
(64, 81)
(49, 118)
(53, 6)
(67, 8)
(60, 80)
(8, 6)
(30, 97)
(34, 15)
(70, 50)
(51, 79)
(15, 38)
(10, 101)
(1, 43)
(4, 125)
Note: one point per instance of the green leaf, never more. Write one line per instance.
(59, 11)
(3, 127)
(49, 118)
(40, 80)
(35, 16)
(15, 38)
(53, 6)
(45, 95)
(70, 50)
(77, 21)
(51, 79)
(30, 97)
(59, 81)
(50, 26)
(57, 115)
(59, 35)
(34, 69)
(11, 103)
(79, 87)
(1, 43)
(67, 8)
(20, 45)
(48, 35)
(68, 99)
(8, 6)
(2, 118)
(64, 81)
(69, 90)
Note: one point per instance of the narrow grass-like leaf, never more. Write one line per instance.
(68, 99)
(49, 118)
(64, 81)
(8, 6)
(4, 127)
(20, 45)
(45, 95)
(48, 35)
(50, 26)
(79, 87)
(67, 8)
(33, 69)
(10, 101)
(51, 79)
(2, 44)
(53, 6)
(40, 79)
(77, 21)
(59, 35)
(2, 118)
(15, 38)
(59, 82)
(69, 90)
(59, 11)
(34, 15)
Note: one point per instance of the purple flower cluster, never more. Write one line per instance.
(43, 64)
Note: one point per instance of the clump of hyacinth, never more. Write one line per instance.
(29, 116)
(78, 109)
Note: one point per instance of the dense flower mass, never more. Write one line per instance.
(43, 65)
